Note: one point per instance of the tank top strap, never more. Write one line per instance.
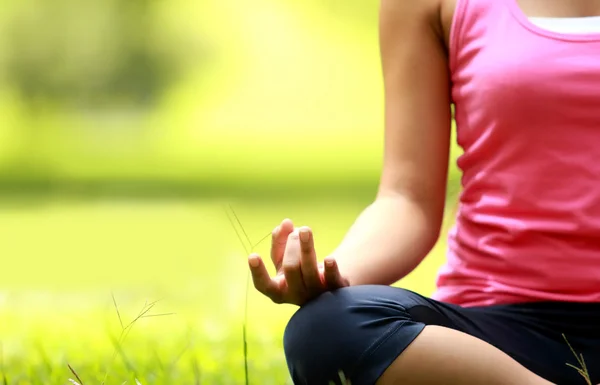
(471, 21)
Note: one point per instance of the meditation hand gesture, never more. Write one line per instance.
(299, 276)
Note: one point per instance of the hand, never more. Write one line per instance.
(299, 277)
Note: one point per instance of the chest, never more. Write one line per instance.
(515, 84)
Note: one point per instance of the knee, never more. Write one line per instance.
(316, 335)
(317, 323)
(310, 318)
(332, 332)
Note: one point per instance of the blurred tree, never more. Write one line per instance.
(91, 54)
(96, 62)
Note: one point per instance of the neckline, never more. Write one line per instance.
(573, 25)
(565, 19)
(524, 20)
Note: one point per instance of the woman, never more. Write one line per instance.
(523, 270)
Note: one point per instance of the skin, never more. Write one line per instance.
(299, 277)
(414, 38)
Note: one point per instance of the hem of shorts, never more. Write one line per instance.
(384, 352)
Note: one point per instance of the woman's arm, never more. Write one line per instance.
(392, 235)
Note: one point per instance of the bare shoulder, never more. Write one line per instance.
(418, 11)
(422, 15)
(409, 27)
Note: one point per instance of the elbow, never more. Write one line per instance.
(430, 238)
(429, 230)
(424, 214)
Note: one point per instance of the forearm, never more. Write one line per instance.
(387, 241)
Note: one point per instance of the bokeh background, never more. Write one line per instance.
(127, 127)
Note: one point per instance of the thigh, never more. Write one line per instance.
(551, 339)
(440, 355)
(547, 338)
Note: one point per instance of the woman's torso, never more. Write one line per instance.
(527, 106)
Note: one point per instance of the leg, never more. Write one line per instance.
(391, 335)
(442, 355)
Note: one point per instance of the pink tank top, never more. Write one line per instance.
(528, 118)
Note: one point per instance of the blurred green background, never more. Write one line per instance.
(126, 127)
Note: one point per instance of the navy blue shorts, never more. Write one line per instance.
(361, 330)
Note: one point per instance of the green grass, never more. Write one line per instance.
(63, 260)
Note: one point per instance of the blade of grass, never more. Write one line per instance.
(4, 379)
(246, 300)
(582, 370)
(117, 310)
(175, 360)
(75, 374)
(261, 240)
(245, 322)
(240, 224)
(157, 315)
(158, 360)
(147, 307)
(237, 233)
(44, 358)
(117, 342)
(196, 369)
(119, 350)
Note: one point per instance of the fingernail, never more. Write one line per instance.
(254, 262)
(329, 262)
(304, 235)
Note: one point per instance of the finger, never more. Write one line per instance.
(287, 226)
(277, 248)
(261, 279)
(308, 261)
(278, 241)
(292, 265)
(333, 277)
